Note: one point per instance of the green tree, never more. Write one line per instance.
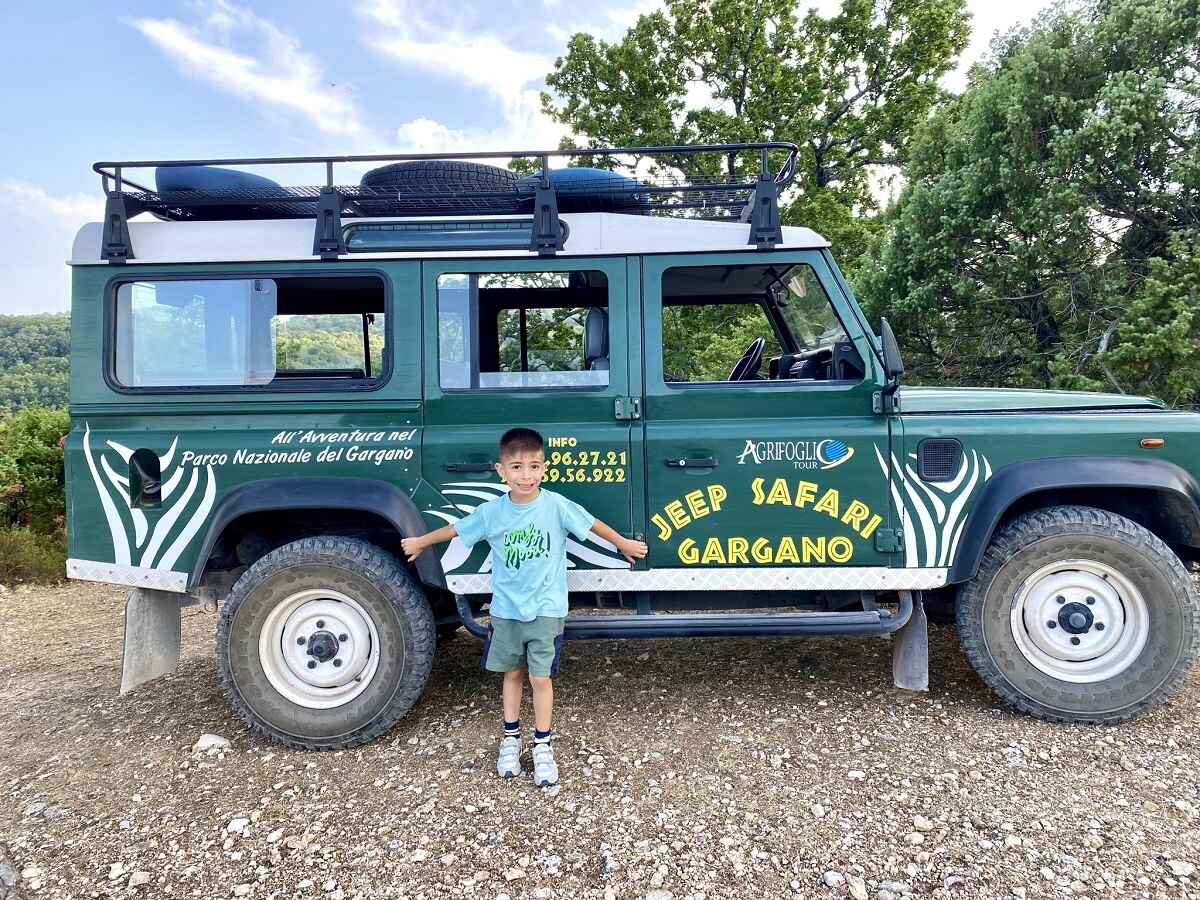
(31, 469)
(33, 360)
(848, 88)
(1043, 217)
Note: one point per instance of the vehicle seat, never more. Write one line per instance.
(595, 339)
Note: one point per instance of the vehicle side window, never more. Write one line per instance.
(512, 330)
(241, 332)
(752, 324)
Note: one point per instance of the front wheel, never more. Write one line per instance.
(1080, 615)
(325, 643)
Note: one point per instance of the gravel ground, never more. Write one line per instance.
(705, 769)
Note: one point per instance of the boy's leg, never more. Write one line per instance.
(542, 650)
(504, 654)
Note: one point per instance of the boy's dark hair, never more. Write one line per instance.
(521, 440)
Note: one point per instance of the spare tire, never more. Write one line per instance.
(440, 174)
(582, 189)
(447, 187)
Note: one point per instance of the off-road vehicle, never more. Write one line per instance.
(272, 385)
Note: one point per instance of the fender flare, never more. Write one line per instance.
(280, 494)
(1021, 479)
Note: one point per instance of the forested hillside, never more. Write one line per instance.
(33, 360)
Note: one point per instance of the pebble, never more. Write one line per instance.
(659, 895)
(238, 825)
(817, 810)
(1011, 840)
(833, 879)
(513, 874)
(210, 743)
(139, 878)
(915, 838)
(115, 871)
(1180, 869)
(856, 774)
(242, 890)
(922, 824)
(858, 887)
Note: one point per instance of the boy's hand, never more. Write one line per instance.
(632, 549)
(412, 547)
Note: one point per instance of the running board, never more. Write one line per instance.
(666, 625)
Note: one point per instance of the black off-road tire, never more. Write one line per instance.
(1038, 538)
(388, 593)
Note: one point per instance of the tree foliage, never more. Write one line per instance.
(33, 360)
(31, 469)
(848, 88)
(1046, 235)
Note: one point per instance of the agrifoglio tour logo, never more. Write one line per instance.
(825, 454)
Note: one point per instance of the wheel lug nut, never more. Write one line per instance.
(320, 623)
(301, 641)
(1091, 600)
(1099, 626)
(312, 663)
(343, 637)
(337, 663)
(1051, 624)
(1058, 599)
(1075, 641)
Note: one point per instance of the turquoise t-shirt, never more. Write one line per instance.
(529, 551)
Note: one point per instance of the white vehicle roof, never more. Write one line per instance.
(286, 240)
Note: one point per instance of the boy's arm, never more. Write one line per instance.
(628, 547)
(413, 546)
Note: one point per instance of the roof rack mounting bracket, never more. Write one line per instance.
(328, 242)
(115, 247)
(548, 236)
(762, 212)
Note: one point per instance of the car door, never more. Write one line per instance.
(534, 343)
(778, 481)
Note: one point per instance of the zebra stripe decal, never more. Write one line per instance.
(457, 553)
(940, 515)
(130, 527)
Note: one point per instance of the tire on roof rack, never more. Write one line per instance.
(583, 189)
(448, 181)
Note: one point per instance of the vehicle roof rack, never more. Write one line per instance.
(681, 182)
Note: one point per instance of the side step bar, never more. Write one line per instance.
(667, 625)
(910, 646)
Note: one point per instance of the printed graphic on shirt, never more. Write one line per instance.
(525, 543)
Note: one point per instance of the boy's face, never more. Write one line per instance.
(523, 470)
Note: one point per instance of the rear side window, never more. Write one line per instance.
(249, 332)
(513, 330)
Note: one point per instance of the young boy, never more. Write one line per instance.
(527, 530)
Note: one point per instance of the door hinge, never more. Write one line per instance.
(884, 404)
(889, 540)
(627, 408)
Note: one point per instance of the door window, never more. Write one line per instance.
(752, 324)
(514, 330)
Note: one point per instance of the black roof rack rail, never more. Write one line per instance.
(679, 180)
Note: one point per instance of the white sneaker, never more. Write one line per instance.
(545, 769)
(508, 763)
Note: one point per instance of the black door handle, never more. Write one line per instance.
(470, 467)
(703, 462)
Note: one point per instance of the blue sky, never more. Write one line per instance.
(210, 78)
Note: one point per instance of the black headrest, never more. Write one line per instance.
(595, 335)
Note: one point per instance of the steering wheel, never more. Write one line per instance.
(746, 368)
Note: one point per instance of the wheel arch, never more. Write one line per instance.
(1157, 494)
(368, 496)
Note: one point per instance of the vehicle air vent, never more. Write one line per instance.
(939, 458)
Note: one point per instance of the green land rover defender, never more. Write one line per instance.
(272, 384)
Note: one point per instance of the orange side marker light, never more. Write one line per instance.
(1152, 443)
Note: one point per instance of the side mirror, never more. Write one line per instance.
(893, 365)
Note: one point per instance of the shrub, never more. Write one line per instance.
(26, 555)
(31, 469)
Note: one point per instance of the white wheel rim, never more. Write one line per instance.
(332, 622)
(1061, 633)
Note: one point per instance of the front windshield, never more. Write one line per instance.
(806, 309)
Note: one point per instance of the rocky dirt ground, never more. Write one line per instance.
(704, 769)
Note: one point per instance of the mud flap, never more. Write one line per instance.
(151, 636)
(910, 651)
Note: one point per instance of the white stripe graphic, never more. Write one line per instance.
(193, 525)
(115, 526)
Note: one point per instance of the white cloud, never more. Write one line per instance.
(34, 200)
(279, 74)
(509, 76)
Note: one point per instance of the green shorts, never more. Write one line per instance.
(535, 645)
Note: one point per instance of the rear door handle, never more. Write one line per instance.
(702, 462)
(470, 467)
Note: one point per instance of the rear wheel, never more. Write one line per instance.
(325, 643)
(1080, 615)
